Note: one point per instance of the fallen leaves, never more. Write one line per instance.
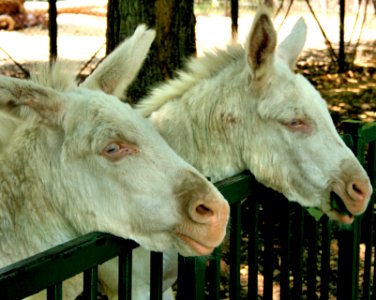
(350, 95)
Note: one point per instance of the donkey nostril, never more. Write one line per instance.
(204, 210)
(356, 189)
(359, 190)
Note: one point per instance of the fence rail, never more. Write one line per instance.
(50, 268)
(295, 255)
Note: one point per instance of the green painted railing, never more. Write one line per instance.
(275, 249)
(47, 270)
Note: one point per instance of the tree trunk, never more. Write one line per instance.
(341, 54)
(174, 22)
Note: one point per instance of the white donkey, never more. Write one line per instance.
(245, 108)
(75, 160)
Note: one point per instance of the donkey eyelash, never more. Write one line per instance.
(116, 150)
(298, 125)
(295, 123)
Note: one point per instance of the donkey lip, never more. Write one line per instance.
(338, 210)
(198, 247)
(339, 206)
(343, 219)
(345, 203)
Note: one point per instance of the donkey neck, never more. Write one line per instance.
(8, 126)
(28, 221)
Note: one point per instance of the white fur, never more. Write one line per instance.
(244, 108)
(75, 160)
(222, 118)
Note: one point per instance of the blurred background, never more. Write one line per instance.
(82, 26)
(81, 37)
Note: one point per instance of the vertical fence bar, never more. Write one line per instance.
(91, 283)
(55, 292)
(325, 258)
(214, 273)
(374, 268)
(368, 223)
(235, 238)
(125, 276)
(268, 244)
(285, 252)
(297, 265)
(191, 278)
(312, 226)
(156, 275)
(348, 262)
(253, 248)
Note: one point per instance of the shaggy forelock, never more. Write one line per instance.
(60, 76)
(197, 69)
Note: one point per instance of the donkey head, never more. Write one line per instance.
(295, 148)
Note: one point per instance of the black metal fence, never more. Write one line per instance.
(275, 250)
(47, 270)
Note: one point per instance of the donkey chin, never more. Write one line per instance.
(200, 241)
(189, 246)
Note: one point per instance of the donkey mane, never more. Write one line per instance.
(59, 76)
(196, 69)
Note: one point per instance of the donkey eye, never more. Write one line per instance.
(117, 150)
(111, 148)
(299, 125)
(295, 123)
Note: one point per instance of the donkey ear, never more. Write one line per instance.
(25, 99)
(261, 44)
(121, 67)
(293, 44)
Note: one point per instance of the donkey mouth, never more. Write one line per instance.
(337, 204)
(340, 210)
